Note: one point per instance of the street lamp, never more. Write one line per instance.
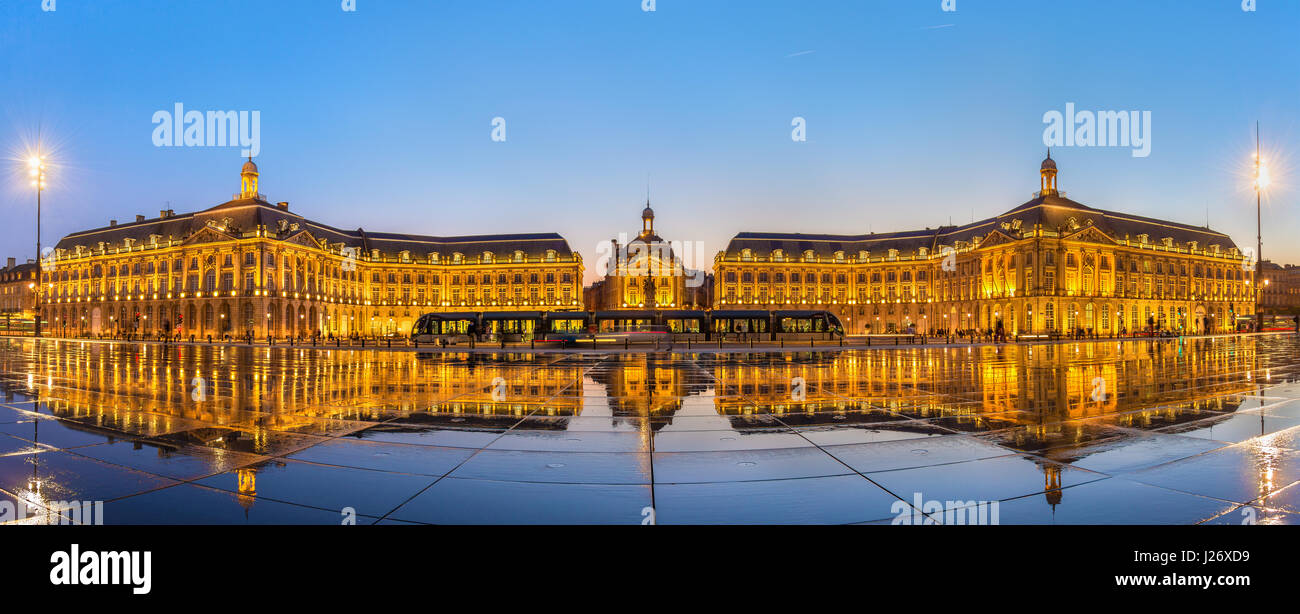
(37, 169)
(1261, 182)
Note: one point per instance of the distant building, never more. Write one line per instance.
(247, 266)
(645, 274)
(1050, 264)
(1281, 292)
(18, 289)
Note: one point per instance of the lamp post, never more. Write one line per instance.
(37, 164)
(1261, 180)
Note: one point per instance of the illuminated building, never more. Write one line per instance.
(646, 273)
(1281, 292)
(251, 267)
(17, 290)
(1050, 264)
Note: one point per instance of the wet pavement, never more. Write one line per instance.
(1141, 432)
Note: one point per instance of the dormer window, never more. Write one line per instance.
(406, 255)
(433, 257)
(808, 254)
(839, 256)
(550, 255)
(778, 255)
(1168, 241)
(863, 255)
(457, 257)
(1144, 238)
(519, 256)
(487, 257)
(746, 254)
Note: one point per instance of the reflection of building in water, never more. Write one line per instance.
(650, 384)
(244, 399)
(1043, 400)
(1048, 399)
(247, 478)
(1052, 486)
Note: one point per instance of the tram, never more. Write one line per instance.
(570, 327)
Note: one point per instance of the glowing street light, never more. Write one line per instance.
(36, 167)
(1261, 182)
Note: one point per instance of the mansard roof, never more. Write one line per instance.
(243, 215)
(1050, 212)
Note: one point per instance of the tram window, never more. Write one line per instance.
(684, 326)
(455, 327)
(567, 326)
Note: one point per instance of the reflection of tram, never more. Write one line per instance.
(572, 326)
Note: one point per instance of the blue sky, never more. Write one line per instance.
(381, 118)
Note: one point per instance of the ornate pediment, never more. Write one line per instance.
(304, 238)
(1091, 234)
(208, 234)
(995, 237)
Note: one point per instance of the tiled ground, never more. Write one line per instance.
(1187, 431)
